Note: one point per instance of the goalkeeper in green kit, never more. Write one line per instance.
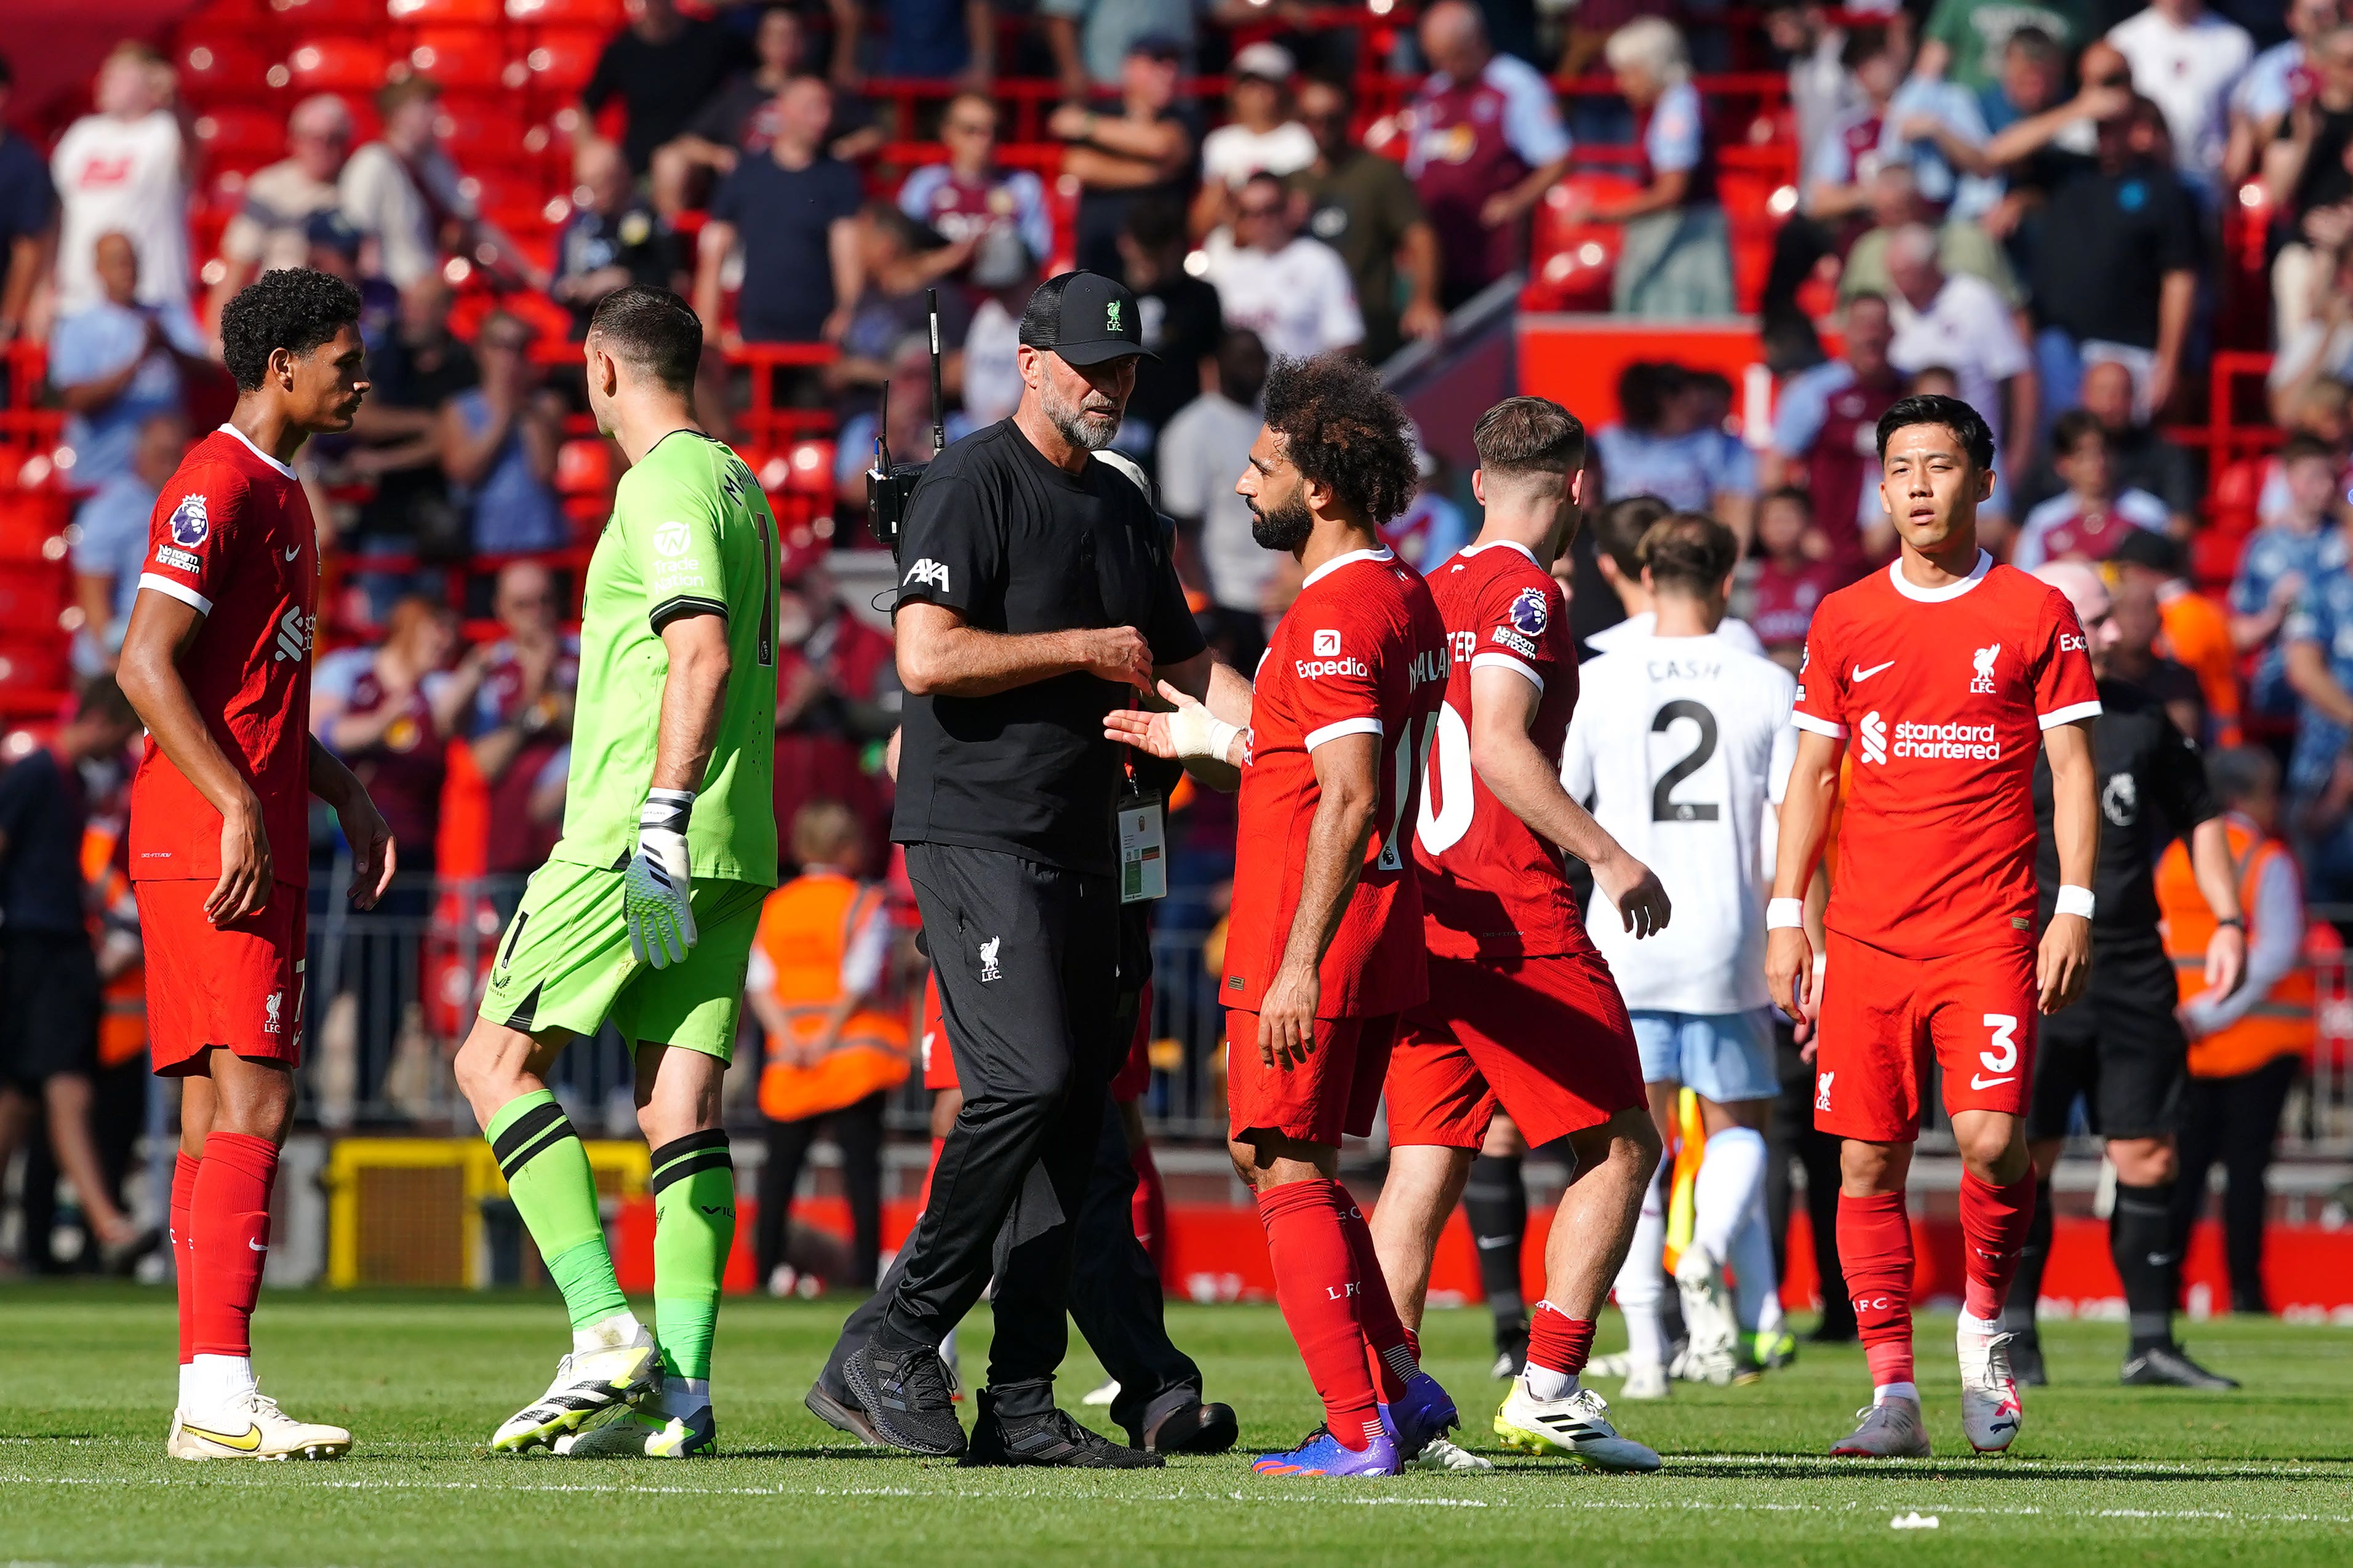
(644, 911)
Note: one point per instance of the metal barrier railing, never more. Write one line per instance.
(394, 990)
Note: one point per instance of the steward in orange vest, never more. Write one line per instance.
(2271, 1015)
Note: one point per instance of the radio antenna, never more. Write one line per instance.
(939, 419)
(883, 432)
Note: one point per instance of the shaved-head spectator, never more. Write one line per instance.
(795, 210)
(614, 237)
(271, 228)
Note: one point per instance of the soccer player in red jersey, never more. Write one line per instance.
(1324, 952)
(1944, 673)
(1521, 1009)
(216, 659)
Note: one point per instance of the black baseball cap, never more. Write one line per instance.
(1084, 317)
(2146, 547)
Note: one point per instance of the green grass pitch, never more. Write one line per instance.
(2103, 1474)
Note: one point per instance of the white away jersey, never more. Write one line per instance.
(1682, 745)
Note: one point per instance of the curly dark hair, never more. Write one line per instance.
(1343, 429)
(294, 309)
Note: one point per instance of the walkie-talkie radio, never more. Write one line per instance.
(889, 485)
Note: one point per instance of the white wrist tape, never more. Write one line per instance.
(1195, 731)
(2074, 901)
(1785, 914)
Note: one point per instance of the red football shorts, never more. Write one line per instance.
(1334, 1092)
(1134, 1076)
(939, 1061)
(1547, 1039)
(1882, 1014)
(237, 985)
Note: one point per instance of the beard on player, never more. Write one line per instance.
(1286, 527)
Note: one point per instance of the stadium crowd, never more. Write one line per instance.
(2046, 209)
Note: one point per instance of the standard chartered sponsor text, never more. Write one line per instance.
(1947, 742)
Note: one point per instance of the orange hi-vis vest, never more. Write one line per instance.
(2281, 1023)
(122, 1008)
(805, 932)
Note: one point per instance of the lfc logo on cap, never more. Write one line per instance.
(1111, 317)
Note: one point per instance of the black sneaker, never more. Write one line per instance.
(904, 1393)
(2168, 1366)
(838, 1408)
(1052, 1439)
(2026, 1360)
(1188, 1427)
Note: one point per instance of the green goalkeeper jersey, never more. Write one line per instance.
(691, 533)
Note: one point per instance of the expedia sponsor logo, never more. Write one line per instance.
(1313, 668)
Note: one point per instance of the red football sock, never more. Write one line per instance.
(1556, 1341)
(1875, 1243)
(1392, 1351)
(1993, 1224)
(229, 1216)
(1149, 1210)
(1320, 1288)
(183, 1252)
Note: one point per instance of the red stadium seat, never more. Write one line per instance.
(217, 67)
(562, 59)
(239, 138)
(331, 16)
(466, 59)
(338, 65)
(33, 525)
(482, 133)
(30, 666)
(504, 189)
(585, 467)
(32, 597)
(1571, 262)
(605, 15)
(445, 12)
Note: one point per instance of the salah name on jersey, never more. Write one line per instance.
(1491, 886)
(1361, 651)
(1942, 695)
(231, 535)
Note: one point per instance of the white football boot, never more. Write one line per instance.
(251, 1426)
(586, 1382)
(1991, 1412)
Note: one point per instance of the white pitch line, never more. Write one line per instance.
(1632, 1504)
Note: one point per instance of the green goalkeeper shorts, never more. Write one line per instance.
(565, 964)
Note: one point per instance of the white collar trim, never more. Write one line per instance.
(228, 429)
(1508, 544)
(1936, 595)
(1350, 559)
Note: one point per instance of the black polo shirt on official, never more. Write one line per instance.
(2152, 788)
(1017, 546)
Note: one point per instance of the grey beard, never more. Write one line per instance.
(1071, 423)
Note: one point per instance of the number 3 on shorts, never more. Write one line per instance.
(2004, 1055)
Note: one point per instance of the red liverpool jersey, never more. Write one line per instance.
(1942, 695)
(1490, 887)
(231, 534)
(1360, 651)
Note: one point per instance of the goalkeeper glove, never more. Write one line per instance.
(656, 890)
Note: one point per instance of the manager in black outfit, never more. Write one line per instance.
(1036, 595)
(2120, 1049)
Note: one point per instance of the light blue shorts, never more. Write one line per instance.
(1722, 1057)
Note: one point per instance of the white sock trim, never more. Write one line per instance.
(216, 1381)
(1887, 1391)
(607, 1333)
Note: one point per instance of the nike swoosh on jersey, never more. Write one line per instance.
(297, 549)
(1862, 674)
(1977, 1081)
(245, 1442)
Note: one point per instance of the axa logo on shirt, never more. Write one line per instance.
(929, 571)
(1926, 743)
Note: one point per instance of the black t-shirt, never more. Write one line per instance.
(1017, 546)
(635, 237)
(2106, 243)
(2326, 179)
(663, 86)
(42, 815)
(27, 198)
(782, 216)
(2152, 785)
(1182, 323)
(744, 116)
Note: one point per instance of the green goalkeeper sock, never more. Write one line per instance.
(694, 1227)
(548, 1176)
